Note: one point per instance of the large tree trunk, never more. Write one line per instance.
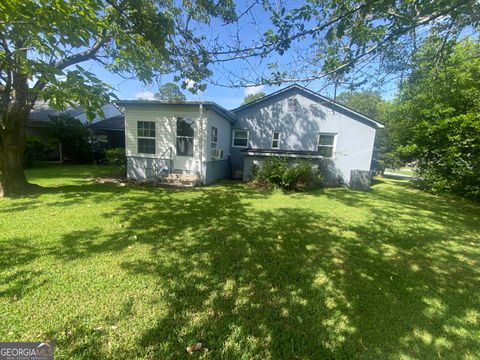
(12, 147)
(15, 108)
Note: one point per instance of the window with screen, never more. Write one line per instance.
(185, 136)
(213, 137)
(326, 144)
(293, 105)
(240, 138)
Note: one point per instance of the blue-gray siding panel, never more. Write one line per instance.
(216, 170)
(299, 131)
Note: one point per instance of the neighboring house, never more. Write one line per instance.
(107, 131)
(206, 140)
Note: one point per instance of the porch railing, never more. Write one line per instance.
(161, 167)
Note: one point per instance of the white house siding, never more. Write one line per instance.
(165, 117)
(299, 131)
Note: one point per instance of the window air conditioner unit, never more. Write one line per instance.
(217, 153)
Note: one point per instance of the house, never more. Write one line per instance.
(202, 139)
(107, 131)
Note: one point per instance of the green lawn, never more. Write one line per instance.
(141, 272)
(403, 171)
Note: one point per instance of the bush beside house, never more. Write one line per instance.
(117, 158)
(297, 175)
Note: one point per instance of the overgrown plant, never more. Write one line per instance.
(117, 158)
(297, 175)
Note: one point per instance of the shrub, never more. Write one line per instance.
(273, 170)
(301, 175)
(73, 136)
(298, 175)
(35, 150)
(117, 158)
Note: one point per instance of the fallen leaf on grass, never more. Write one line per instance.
(194, 347)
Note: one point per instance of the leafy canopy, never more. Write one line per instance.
(170, 91)
(435, 118)
(252, 97)
(46, 42)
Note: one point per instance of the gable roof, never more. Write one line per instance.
(207, 104)
(316, 97)
(113, 123)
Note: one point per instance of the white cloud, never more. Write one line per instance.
(145, 95)
(253, 90)
(190, 83)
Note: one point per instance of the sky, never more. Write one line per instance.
(250, 27)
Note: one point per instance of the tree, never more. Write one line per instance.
(170, 91)
(436, 118)
(367, 102)
(72, 137)
(348, 42)
(42, 45)
(252, 97)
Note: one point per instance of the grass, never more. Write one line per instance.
(138, 272)
(403, 171)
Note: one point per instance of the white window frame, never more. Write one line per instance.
(233, 138)
(147, 137)
(213, 144)
(277, 140)
(185, 118)
(333, 146)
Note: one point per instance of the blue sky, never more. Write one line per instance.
(249, 28)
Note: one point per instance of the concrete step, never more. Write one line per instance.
(178, 179)
(177, 184)
(181, 178)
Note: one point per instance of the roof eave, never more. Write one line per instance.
(208, 104)
(374, 123)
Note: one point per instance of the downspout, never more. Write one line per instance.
(200, 140)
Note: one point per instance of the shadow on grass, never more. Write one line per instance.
(292, 282)
(287, 281)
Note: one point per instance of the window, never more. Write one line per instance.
(185, 135)
(275, 140)
(214, 137)
(240, 138)
(146, 137)
(326, 144)
(292, 105)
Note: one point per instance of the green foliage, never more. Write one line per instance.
(252, 97)
(145, 38)
(360, 42)
(435, 119)
(297, 175)
(369, 103)
(117, 158)
(73, 136)
(170, 91)
(35, 150)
